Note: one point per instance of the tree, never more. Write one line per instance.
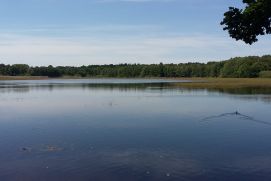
(19, 69)
(246, 24)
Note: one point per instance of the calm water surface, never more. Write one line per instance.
(132, 130)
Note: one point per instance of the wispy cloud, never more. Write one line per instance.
(117, 29)
(117, 44)
(87, 50)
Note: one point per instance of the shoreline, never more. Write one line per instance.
(198, 82)
(23, 78)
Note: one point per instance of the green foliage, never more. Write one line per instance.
(14, 70)
(246, 24)
(49, 71)
(245, 66)
(235, 67)
(18, 69)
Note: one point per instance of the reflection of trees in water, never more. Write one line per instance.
(85, 86)
(245, 90)
(246, 93)
(237, 91)
(16, 90)
(235, 114)
(263, 98)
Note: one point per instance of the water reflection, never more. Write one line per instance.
(132, 131)
(154, 85)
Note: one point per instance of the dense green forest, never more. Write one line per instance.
(252, 66)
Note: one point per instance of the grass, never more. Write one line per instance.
(265, 74)
(23, 77)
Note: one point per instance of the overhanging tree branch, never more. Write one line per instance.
(247, 24)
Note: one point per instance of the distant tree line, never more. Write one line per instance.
(252, 66)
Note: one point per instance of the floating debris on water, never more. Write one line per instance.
(26, 149)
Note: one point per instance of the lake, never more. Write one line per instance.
(132, 130)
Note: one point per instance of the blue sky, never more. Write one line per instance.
(77, 32)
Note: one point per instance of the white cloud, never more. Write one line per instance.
(129, 48)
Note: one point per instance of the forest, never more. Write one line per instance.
(239, 67)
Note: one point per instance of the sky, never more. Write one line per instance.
(83, 32)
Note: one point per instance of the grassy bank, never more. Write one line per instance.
(23, 77)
